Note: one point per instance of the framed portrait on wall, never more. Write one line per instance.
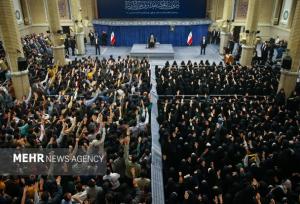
(64, 9)
(241, 9)
(286, 12)
(18, 12)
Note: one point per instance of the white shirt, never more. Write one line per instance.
(113, 179)
(258, 50)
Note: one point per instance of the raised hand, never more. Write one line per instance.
(58, 180)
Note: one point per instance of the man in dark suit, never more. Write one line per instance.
(104, 38)
(151, 41)
(213, 36)
(271, 51)
(218, 37)
(209, 36)
(91, 36)
(264, 51)
(97, 44)
(67, 45)
(203, 45)
(73, 45)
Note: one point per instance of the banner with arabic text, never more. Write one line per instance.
(151, 8)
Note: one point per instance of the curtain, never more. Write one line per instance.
(129, 35)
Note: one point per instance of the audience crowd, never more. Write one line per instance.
(203, 78)
(87, 104)
(228, 149)
(227, 137)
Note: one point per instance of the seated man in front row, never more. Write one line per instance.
(151, 41)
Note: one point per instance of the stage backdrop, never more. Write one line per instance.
(152, 8)
(177, 35)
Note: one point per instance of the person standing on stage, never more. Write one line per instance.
(151, 41)
(203, 45)
(85, 42)
(104, 38)
(218, 37)
(92, 37)
(97, 44)
(67, 45)
(213, 36)
(73, 45)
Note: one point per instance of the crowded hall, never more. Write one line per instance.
(149, 101)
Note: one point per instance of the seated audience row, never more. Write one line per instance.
(203, 78)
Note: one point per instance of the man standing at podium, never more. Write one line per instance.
(203, 45)
(151, 41)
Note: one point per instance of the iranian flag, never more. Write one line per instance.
(190, 39)
(112, 39)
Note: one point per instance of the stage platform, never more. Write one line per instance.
(160, 51)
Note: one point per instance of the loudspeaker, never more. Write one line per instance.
(286, 62)
(22, 64)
